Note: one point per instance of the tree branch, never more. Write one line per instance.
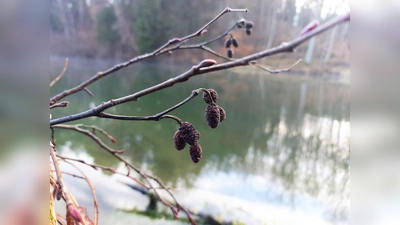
(95, 166)
(61, 74)
(278, 70)
(156, 117)
(198, 69)
(92, 189)
(60, 182)
(117, 67)
(91, 135)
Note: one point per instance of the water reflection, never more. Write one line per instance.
(285, 142)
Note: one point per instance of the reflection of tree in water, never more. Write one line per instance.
(293, 132)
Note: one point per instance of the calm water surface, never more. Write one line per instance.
(281, 156)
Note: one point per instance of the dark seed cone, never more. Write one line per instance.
(234, 42)
(229, 53)
(189, 133)
(249, 25)
(212, 116)
(222, 114)
(248, 32)
(241, 24)
(196, 152)
(214, 96)
(228, 43)
(179, 141)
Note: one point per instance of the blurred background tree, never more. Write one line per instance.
(91, 28)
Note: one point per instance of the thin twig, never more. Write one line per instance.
(195, 70)
(60, 104)
(91, 186)
(95, 166)
(61, 74)
(278, 70)
(253, 63)
(88, 91)
(112, 139)
(91, 135)
(157, 116)
(60, 182)
(117, 67)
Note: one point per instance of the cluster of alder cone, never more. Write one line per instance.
(247, 25)
(187, 133)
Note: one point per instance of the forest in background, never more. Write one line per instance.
(122, 29)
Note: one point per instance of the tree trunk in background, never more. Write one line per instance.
(331, 39)
(310, 50)
(64, 22)
(83, 15)
(127, 38)
(273, 26)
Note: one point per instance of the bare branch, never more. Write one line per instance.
(278, 70)
(60, 104)
(60, 182)
(95, 166)
(117, 67)
(95, 203)
(61, 74)
(196, 70)
(91, 135)
(157, 116)
(112, 139)
(88, 91)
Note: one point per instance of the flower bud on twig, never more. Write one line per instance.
(311, 26)
(206, 63)
(74, 213)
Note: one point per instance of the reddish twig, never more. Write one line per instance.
(61, 74)
(60, 182)
(92, 189)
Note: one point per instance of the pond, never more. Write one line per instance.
(280, 157)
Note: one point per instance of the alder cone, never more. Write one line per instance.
(222, 114)
(234, 42)
(249, 25)
(179, 141)
(212, 116)
(229, 52)
(248, 32)
(196, 152)
(214, 96)
(189, 133)
(228, 43)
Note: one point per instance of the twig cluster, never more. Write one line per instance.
(186, 134)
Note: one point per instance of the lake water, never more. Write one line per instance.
(281, 156)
